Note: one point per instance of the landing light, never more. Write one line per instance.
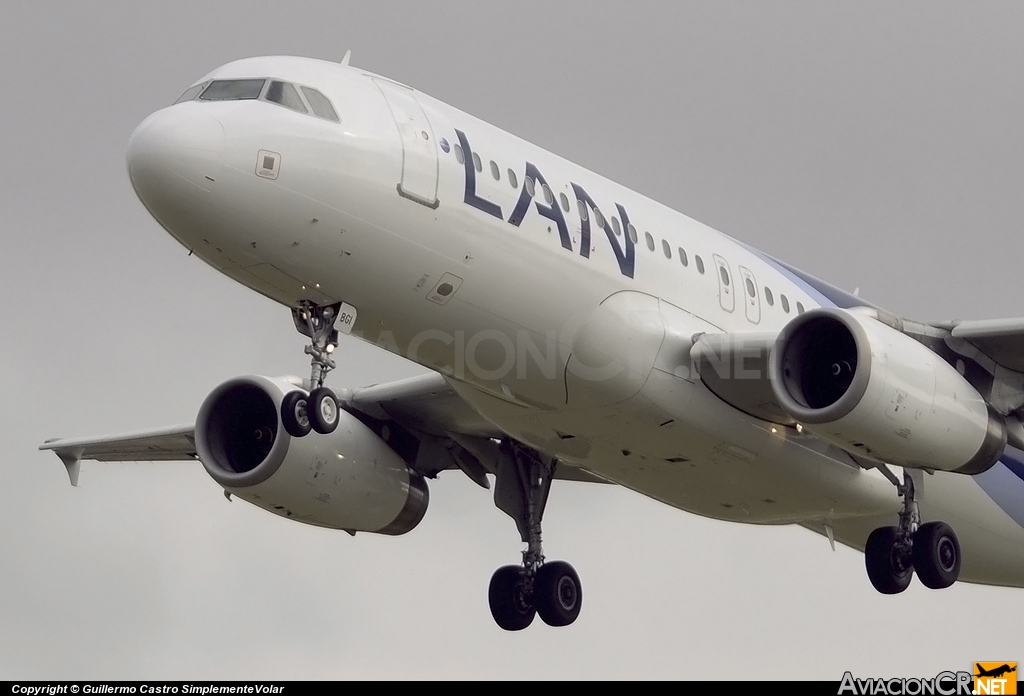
(330, 347)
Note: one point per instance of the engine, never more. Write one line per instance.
(877, 392)
(349, 479)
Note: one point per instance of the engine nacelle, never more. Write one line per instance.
(877, 392)
(349, 479)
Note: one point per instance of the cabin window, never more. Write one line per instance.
(682, 257)
(785, 303)
(459, 157)
(599, 218)
(799, 308)
(582, 208)
(477, 164)
(750, 288)
(565, 201)
(513, 180)
(632, 232)
(228, 90)
(495, 172)
(286, 95)
(530, 187)
(650, 241)
(700, 264)
(548, 196)
(666, 248)
(615, 226)
(769, 298)
(322, 107)
(725, 275)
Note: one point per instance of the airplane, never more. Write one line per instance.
(996, 671)
(574, 329)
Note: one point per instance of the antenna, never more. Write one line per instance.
(348, 55)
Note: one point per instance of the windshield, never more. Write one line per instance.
(225, 90)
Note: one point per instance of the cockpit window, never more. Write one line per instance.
(227, 90)
(190, 93)
(285, 94)
(321, 104)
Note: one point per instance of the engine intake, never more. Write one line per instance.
(349, 479)
(877, 392)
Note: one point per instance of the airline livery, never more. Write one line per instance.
(574, 329)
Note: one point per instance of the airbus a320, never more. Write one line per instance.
(573, 329)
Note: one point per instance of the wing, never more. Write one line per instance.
(445, 432)
(1002, 340)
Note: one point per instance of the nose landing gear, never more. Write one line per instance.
(893, 554)
(318, 410)
(517, 593)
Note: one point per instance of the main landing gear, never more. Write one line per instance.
(318, 410)
(893, 554)
(518, 592)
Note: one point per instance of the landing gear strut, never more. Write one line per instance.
(517, 593)
(893, 554)
(319, 410)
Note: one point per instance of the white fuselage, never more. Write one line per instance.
(565, 334)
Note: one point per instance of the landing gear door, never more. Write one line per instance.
(419, 155)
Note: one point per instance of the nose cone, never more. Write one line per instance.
(174, 160)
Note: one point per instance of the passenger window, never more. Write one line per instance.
(285, 94)
(459, 157)
(665, 247)
(530, 188)
(495, 172)
(785, 303)
(725, 275)
(682, 257)
(769, 298)
(650, 241)
(632, 232)
(750, 288)
(615, 226)
(565, 201)
(548, 197)
(599, 218)
(321, 105)
(582, 208)
(700, 264)
(228, 90)
(799, 308)
(513, 180)
(477, 164)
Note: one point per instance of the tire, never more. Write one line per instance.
(324, 410)
(294, 414)
(557, 593)
(888, 574)
(511, 608)
(936, 555)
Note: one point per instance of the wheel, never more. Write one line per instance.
(888, 572)
(936, 555)
(323, 410)
(294, 414)
(510, 607)
(557, 593)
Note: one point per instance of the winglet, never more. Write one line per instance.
(72, 460)
(348, 56)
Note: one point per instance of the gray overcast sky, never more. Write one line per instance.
(877, 145)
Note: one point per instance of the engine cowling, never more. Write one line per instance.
(877, 392)
(349, 479)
